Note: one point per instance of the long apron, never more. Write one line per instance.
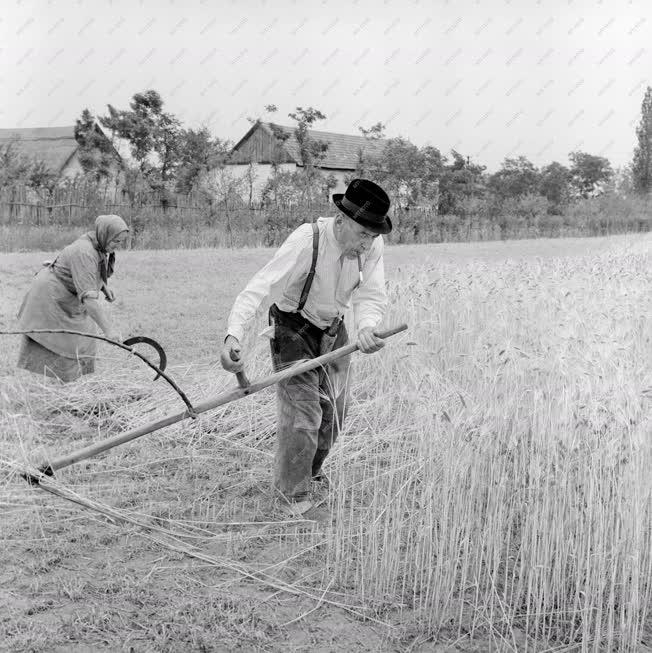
(48, 304)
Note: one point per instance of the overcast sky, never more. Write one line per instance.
(490, 78)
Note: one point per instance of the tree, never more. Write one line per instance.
(268, 109)
(153, 135)
(409, 174)
(224, 186)
(329, 184)
(433, 170)
(624, 184)
(420, 176)
(515, 178)
(18, 170)
(589, 173)
(368, 165)
(96, 155)
(167, 141)
(459, 183)
(373, 133)
(288, 188)
(42, 177)
(249, 178)
(311, 151)
(14, 166)
(281, 136)
(282, 188)
(198, 153)
(134, 183)
(642, 161)
(399, 171)
(555, 185)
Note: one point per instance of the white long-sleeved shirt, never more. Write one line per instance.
(334, 286)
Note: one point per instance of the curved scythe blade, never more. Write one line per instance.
(162, 357)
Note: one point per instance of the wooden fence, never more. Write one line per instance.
(169, 220)
(155, 218)
(76, 206)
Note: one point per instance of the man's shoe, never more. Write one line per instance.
(297, 508)
(319, 513)
(308, 510)
(322, 480)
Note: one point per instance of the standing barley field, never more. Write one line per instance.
(491, 489)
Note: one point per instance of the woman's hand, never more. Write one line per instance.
(108, 293)
(101, 318)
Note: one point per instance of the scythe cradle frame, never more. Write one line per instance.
(244, 389)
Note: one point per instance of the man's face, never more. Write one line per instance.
(353, 238)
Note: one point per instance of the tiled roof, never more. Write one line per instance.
(342, 150)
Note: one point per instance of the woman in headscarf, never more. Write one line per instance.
(65, 295)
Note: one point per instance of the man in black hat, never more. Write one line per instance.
(313, 278)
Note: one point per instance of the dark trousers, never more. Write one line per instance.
(310, 406)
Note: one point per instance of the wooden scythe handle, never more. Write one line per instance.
(209, 404)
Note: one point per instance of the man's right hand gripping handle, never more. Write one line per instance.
(231, 359)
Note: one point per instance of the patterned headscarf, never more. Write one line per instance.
(107, 227)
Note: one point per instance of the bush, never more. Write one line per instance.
(38, 222)
(608, 214)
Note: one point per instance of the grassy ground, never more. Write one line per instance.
(491, 487)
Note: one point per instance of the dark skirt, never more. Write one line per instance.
(40, 360)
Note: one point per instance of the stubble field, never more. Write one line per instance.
(491, 489)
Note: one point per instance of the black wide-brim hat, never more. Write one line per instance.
(367, 204)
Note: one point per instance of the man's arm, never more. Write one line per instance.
(370, 299)
(290, 255)
(370, 303)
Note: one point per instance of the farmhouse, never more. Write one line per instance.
(55, 146)
(255, 152)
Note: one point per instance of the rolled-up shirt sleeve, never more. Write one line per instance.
(85, 272)
(290, 255)
(370, 299)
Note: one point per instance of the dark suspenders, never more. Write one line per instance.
(313, 265)
(334, 327)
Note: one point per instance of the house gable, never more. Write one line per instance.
(55, 146)
(259, 144)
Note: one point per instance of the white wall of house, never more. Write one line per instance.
(339, 175)
(262, 172)
(73, 167)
